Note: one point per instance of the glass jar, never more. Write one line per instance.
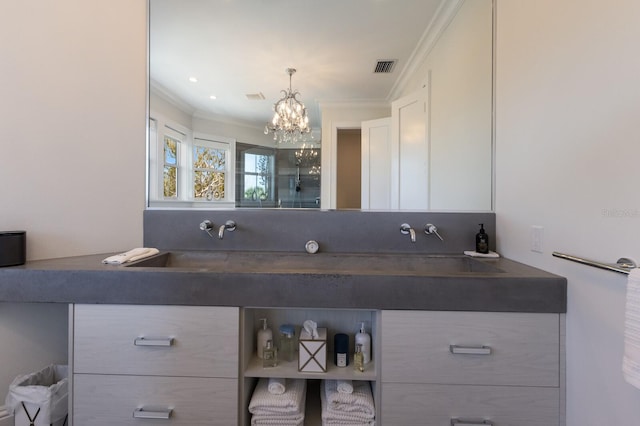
(287, 343)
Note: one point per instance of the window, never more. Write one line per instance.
(188, 169)
(209, 170)
(170, 170)
(256, 178)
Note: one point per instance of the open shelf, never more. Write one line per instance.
(335, 321)
(289, 370)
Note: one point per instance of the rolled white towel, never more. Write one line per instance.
(358, 405)
(290, 403)
(345, 386)
(130, 256)
(356, 412)
(277, 386)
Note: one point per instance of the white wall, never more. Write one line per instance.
(72, 148)
(458, 70)
(567, 152)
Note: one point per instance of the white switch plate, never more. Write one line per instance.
(537, 238)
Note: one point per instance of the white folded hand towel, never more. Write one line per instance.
(473, 253)
(271, 420)
(130, 256)
(345, 386)
(631, 359)
(277, 386)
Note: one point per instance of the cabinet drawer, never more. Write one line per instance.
(204, 340)
(490, 348)
(111, 400)
(435, 405)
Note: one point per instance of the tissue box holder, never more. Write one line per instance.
(312, 354)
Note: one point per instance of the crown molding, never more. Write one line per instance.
(170, 97)
(441, 20)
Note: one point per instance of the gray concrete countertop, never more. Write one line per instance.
(505, 286)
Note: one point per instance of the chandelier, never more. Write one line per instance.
(306, 155)
(290, 122)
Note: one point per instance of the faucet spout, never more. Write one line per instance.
(229, 225)
(406, 229)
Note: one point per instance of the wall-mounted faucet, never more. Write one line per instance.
(206, 226)
(430, 228)
(229, 225)
(406, 229)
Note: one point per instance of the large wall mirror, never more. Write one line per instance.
(398, 95)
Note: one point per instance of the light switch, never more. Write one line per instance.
(537, 238)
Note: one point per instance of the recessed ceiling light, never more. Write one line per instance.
(193, 79)
(214, 97)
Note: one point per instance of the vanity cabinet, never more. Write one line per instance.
(472, 368)
(132, 363)
(335, 321)
(197, 365)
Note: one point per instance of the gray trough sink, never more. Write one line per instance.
(327, 263)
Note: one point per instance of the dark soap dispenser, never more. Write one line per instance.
(482, 241)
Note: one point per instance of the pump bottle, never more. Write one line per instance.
(482, 241)
(364, 339)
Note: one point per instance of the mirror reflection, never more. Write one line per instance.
(398, 99)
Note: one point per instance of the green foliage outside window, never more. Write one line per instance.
(170, 174)
(255, 194)
(209, 173)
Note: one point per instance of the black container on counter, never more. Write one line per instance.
(13, 248)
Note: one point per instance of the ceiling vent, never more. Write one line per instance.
(255, 96)
(385, 66)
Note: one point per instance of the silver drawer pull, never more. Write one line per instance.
(471, 422)
(141, 413)
(470, 350)
(161, 341)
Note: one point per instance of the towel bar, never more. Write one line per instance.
(623, 265)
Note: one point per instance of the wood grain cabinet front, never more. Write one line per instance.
(193, 341)
(108, 400)
(137, 364)
(484, 368)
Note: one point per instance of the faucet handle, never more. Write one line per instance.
(405, 229)
(207, 226)
(430, 228)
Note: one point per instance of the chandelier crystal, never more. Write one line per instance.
(290, 122)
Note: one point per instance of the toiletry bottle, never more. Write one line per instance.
(482, 241)
(264, 335)
(364, 339)
(270, 355)
(287, 342)
(358, 361)
(341, 350)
